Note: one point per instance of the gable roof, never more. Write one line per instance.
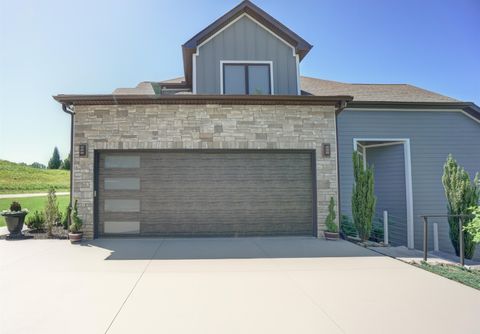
(302, 47)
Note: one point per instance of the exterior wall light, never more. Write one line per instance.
(326, 150)
(82, 150)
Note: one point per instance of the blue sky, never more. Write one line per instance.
(49, 47)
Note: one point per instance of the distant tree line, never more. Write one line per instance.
(38, 165)
(56, 162)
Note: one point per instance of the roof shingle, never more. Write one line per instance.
(319, 87)
(371, 92)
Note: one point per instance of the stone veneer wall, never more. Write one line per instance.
(203, 126)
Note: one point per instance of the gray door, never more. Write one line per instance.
(205, 193)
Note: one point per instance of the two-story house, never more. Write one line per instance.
(243, 145)
(231, 149)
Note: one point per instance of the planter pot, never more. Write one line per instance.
(75, 237)
(331, 235)
(15, 222)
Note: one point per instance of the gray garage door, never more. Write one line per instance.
(195, 193)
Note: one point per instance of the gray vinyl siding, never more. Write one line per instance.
(389, 168)
(246, 40)
(433, 135)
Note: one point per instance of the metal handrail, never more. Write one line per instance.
(461, 241)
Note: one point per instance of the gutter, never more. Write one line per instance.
(112, 99)
(70, 110)
(339, 108)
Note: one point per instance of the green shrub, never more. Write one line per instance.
(462, 195)
(65, 218)
(15, 207)
(473, 227)
(330, 220)
(347, 227)
(36, 221)
(59, 221)
(52, 214)
(77, 222)
(363, 198)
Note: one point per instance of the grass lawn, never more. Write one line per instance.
(455, 273)
(17, 178)
(32, 204)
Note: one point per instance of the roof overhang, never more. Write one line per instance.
(338, 101)
(469, 108)
(302, 47)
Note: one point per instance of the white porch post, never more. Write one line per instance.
(385, 227)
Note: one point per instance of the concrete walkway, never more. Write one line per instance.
(244, 285)
(30, 195)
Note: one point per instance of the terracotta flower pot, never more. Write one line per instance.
(15, 222)
(331, 235)
(75, 237)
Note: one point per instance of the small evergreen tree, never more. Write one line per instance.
(462, 195)
(363, 198)
(55, 161)
(77, 222)
(66, 163)
(52, 213)
(330, 220)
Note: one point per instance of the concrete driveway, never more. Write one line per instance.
(244, 285)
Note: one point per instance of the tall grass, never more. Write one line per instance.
(16, 178)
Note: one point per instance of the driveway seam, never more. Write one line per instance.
(300, 288)
(134, 286)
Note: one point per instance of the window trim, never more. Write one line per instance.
(246, 63)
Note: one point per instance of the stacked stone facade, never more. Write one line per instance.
(162, 126)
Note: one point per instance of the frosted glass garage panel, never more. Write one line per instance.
(122, 183)
(122, 161)
(122, 227)
(122, 205)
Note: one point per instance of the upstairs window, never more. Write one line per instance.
(247, 78)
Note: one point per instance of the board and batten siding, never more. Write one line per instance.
(245, 40)
(389, 168)
(433, 135)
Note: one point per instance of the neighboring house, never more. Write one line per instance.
(243, 145)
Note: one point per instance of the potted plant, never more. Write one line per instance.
(332, 229)
(75, 234)
(15, 219)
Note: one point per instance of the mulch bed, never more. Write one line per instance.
(368, 243)
(58, 233)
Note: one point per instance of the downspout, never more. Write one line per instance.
(339, 108)
(70, 110)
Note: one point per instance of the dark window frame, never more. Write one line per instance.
(245, 71)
